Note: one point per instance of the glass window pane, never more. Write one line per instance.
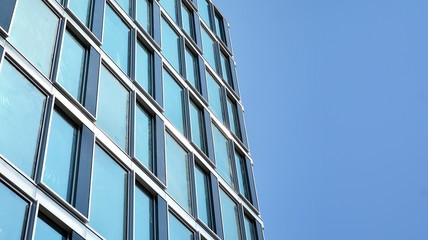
(170, 7)
(13, 210)
(143, 67)
(125, 5)
(203, 196)
(45, 231)
(229, 213)
(34, 33)
(113, 102)
(187, 18)
(71, 73)
(214, 97)
(144, 137)
(108, 197)
(250, 229)
(177, 231)
(209, 48)
(241, 172)
(144, 218)
(178, 174)
(204, 11)
(219, 27)
(192, 69)
(170, 45)
(21, 114)
(197, 126)
(173, 101)
(233, 117)
(60, 157)
(144, 14)
(225, 69)
(116, 39)
(222, 155)
(82, 9)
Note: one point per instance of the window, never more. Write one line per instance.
(203, 196)
(108, 197)
(170, 45)
(178, 173)
(144, 14)
(233, 117)
(13, 210)
(71, 73)
(230, 216)
(144, 137)
(241, 172)
(61, 154)
(113, 103)
(46, 229)
(116, 39)
(177, 230)
(21, 114)
(215, 96)
(173, 100)
(34, 32)
(170, 7)
(197, 126)
(250, 228)
(82, 9)
(209, 49)
(221, 151)
(219, 27)
(143, 67)
(225, 68)
(144, 215)
(204, 11)
(192, 70)
(125, 5)
(187, 19)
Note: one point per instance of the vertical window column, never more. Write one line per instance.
(144, 12)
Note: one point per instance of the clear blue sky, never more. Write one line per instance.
(336, 98)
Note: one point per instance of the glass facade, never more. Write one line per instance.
(44, 230)
(210, 52)
(215, 97)
(192, 71)
(82, 9)
(178, 231)
(13, 214)
(143, 65)
(144, 137)
(144, 14)
(171, 45)
(197, 126)
(144, 215)
(173, 99)
(230, 216)
(203, 196)
(221, 150)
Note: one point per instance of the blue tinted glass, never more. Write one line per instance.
(12, 218)
(214, 97)
(144, 14)
(82, 9)
(21, 113)
(177, 231)
(196, 124)
(144, 217)
(204, 11)
(250, 230)
(241, 172)
(34, 32)
(225, 69)
(222, 155)
(233, 117)
(192, 69)
(219, 27)
(108, 197)
(71, 71)
(187, 19)
(60, 156)
(229, 213)
(178, 176)
(44, 231)
(203, 196)
(143, 67)
(170, 45)
(116, 39)
(170, 6)
(209, 48)
(125, 5)
(144, 137)
(173, 101)
(113, 102)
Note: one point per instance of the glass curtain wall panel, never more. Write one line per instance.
(197, 126)
(82, 9)
(144, 215)
(250, 228)
(203, 196)
(170, 45)
(144, 14)
(177, 230)
(192, 70)
(46, 230)
(143, 66)
(144, 137)
(13, 211)
(215, 97)
(221, 146)
(209, 49)
(173, 101)
(230, 216)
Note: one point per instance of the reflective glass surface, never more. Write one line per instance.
(82, 9)
(203, 196)
(250, 229)
(209, 48)
(144, 137)
(125, 5)
(187, 19)
(192, 69)
(60, 157)
(34, 33)
(108, 197)
(241, 172)
(197, 126)
(204, 11)
(173, 101)
(116, 39)
(178, 174)
(113, 102)
(219, 27)
(229, 213)
(71, 73)
(214, 97)
(233, 117)
(144, 14)
(143, 67)
(222, 155)
(225, 69)
(44, 231)
(13, 210)
(21, 114)
(170, 6)
(170, 45)
(177, 231)
(144, 218)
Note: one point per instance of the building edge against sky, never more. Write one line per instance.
(122, 120)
